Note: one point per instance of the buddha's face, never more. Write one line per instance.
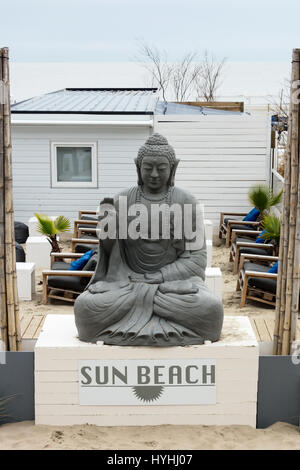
(155, 173)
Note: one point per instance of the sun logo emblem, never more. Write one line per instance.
(148, 393)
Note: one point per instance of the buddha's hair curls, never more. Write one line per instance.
(156, 145)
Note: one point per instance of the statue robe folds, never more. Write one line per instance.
(119, 311)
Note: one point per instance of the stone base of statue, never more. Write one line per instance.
(210, 384)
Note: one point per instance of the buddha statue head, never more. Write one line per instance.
(156, 164)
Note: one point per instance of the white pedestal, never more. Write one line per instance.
(32, 226)
(38, 251)
(57, 371)
(214, 281)
(208, 229)
(25, 280)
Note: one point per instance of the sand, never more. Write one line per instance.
(26, 435)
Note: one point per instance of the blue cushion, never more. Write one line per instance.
(259, 239)
(252, 215)
(78, 264)
(274, 268)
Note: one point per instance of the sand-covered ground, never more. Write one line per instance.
(26, 435)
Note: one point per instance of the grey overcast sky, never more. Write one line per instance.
(106, 30)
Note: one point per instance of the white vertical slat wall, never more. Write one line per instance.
(220, 157)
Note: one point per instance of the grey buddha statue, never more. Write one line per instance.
(150, 291)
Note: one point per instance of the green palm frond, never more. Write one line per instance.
(45, 225)
(271, 224)
(262, 197)
(62, 224)
(276, 198)
(259, 197)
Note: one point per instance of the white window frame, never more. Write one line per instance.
(74, 184)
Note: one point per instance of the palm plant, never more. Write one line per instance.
(262, 197)
(51, 228)
(271, 225)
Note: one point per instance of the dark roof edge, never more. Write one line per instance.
(151, 113)
(111, 89)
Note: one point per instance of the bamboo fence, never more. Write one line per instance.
(288, 281)
(9, 309)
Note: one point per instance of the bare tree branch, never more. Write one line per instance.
(184, 75)
(157, 64)
(208, 82)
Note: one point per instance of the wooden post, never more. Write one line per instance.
(3, 312)
(287, 298)
(9, 313)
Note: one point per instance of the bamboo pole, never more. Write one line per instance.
(296, 269)
(281, 281)
(3, 310)
(277, 328)
(9, 285)
(296, 261)
(294, 156)
(287, 300)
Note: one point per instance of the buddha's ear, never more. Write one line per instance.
(138, 170)
(173, 172)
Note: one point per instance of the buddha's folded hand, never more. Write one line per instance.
(149, 278)
(103, 286)
(179, 287)
(154, 278)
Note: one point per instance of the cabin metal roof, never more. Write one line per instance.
(134, 101)
(91, 101)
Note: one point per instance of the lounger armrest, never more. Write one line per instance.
(65, 255)
(67, 273)
(246, 232)
(261, 275)
(85, 222)
(85, 241)
(255, 245)
(242, 222)
(235, 214)
(260, 257)
(247, 256)
(236, 232)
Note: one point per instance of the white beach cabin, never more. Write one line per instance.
(74, 146)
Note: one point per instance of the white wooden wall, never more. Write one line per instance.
(116, 149)
(220, 157)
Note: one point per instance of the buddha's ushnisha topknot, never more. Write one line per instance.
(156, 145)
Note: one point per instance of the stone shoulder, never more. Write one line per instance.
(182, 196)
